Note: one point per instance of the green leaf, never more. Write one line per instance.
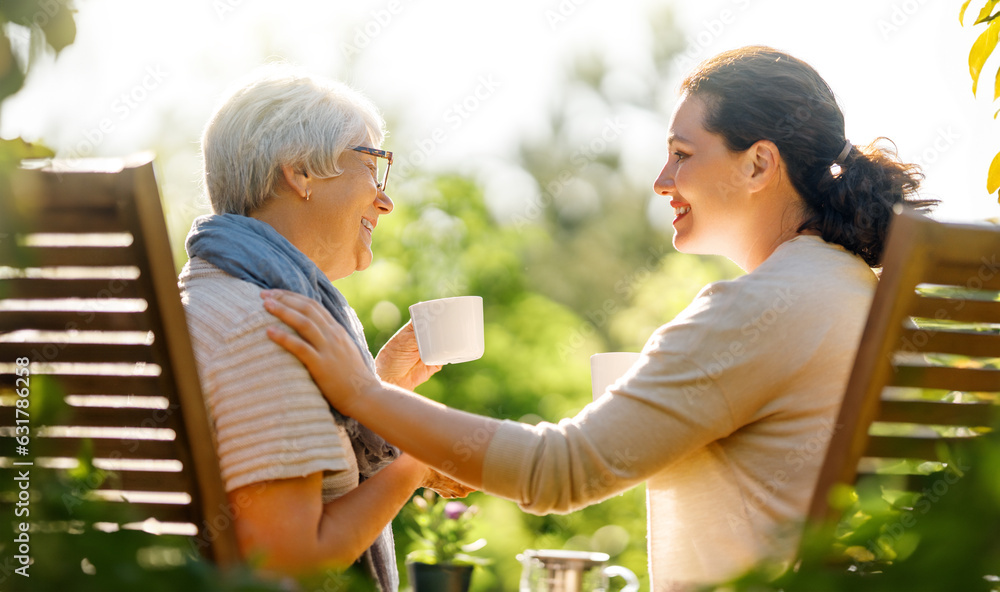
(993, 179)
(11, 76)
(60, 27)
(961, 13)
(984, 14)
(19, 12)
(54, 18)
(15, 150)
(906, 544)
(981, 51)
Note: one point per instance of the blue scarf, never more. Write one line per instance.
(254, 251)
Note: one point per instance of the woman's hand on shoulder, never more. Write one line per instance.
(323, 346)
(399, 363)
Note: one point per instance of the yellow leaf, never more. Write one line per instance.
(996, 87)
(981, 51)
(961, 13)
(993, 179)
(985, 12)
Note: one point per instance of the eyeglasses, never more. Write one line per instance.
(382, 176)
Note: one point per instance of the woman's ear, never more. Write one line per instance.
(296, 179)
(765, 161)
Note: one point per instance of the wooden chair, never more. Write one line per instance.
(88, 293)
(927, 374)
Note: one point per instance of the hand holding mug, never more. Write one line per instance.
(399, 363)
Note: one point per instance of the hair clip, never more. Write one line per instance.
(843, 153)
(835, 168)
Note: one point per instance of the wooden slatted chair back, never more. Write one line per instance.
(88, 294)
(927, 373)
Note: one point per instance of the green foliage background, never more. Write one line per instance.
(441, 241)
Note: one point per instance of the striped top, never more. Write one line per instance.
(269, 417)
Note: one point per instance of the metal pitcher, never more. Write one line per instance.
(550, 570)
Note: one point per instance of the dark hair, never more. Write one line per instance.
(758, 93)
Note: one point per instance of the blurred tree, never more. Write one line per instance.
(444, 242)
(597, 247)
(49, 26)
(46, 26)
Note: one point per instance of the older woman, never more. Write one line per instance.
(297, 184)
(728, 402)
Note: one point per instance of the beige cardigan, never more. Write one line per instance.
(726, 415)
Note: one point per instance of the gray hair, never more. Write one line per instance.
(281, 117)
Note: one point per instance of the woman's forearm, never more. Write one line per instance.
(449, 440)
(342, 535)
(286, 523)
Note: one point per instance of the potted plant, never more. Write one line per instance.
(440, 529)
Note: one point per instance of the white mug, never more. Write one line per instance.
(607, 368)
(449, 330)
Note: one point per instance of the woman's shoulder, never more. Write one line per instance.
(808, 297)
(806, 265)
(217, 302)
(804, 278)
(206, 284)
(810, 255)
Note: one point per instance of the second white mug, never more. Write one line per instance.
(607, 368)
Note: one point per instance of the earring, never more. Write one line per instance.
(308, 193)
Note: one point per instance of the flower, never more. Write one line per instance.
(454, 510)
(441, 530)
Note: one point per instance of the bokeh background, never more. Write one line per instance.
(527, 136)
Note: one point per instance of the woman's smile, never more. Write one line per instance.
(368, 227)
(681, 209)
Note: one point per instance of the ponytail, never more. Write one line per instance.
(851, 203)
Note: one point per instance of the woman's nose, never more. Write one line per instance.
(383, 203)
(664, 183)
